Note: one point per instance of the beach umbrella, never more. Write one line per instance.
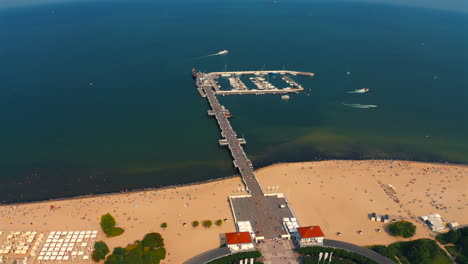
(320, 257)
(329, 260)
(325, 257)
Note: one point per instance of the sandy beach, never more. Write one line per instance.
(337, 195)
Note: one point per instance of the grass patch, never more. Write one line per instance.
(315, 260)
(460, 240)
(339, 255)
(417, 251)
(453, 250)
(238, 257)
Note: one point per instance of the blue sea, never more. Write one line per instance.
(97, 96)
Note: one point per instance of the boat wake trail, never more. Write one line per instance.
(360, 105)
(215, 54)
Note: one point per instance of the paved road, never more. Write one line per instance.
(357, 249)
(245, 209)
(279, 252)
(208, 256)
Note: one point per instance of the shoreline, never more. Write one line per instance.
(337, 195)
(119, 193)
(215, 180)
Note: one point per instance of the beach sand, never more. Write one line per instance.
(138, 213)
(337, 195)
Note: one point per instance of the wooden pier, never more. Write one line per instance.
(229, 138)
(208, 87)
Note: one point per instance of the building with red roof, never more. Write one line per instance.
(239, 241)
(309, 236)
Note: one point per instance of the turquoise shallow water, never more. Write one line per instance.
(142, 124)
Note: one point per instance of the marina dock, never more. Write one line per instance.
(238, 87)
(311, 74)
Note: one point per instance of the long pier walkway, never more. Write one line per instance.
(229, 137)
(262, 210)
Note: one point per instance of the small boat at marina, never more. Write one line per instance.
(194, 73)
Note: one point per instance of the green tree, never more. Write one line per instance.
(119, 251)
(424, 251)
(160, 253)
(450, 237)
(453, 236)
(135, 256)
(150, 250)
(195, 223)
(460, 239)
(219, 222)
(207, 223)
(108, 226)
(100, 251)
(389, 252)
(461, 259)
(154, 255)
(421, 251)
(463, 243)
(117, 256)
(153, 240)
(107, 223)
(402, 228)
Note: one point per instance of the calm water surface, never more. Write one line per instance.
(142, 124)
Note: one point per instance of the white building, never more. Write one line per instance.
(245, 226)
(239, 241)
(309, 236)
(435, 222)
(454, 226)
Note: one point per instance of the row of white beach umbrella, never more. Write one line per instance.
(68, 245)
(246, 261)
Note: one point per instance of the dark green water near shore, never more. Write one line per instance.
(141, 123)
